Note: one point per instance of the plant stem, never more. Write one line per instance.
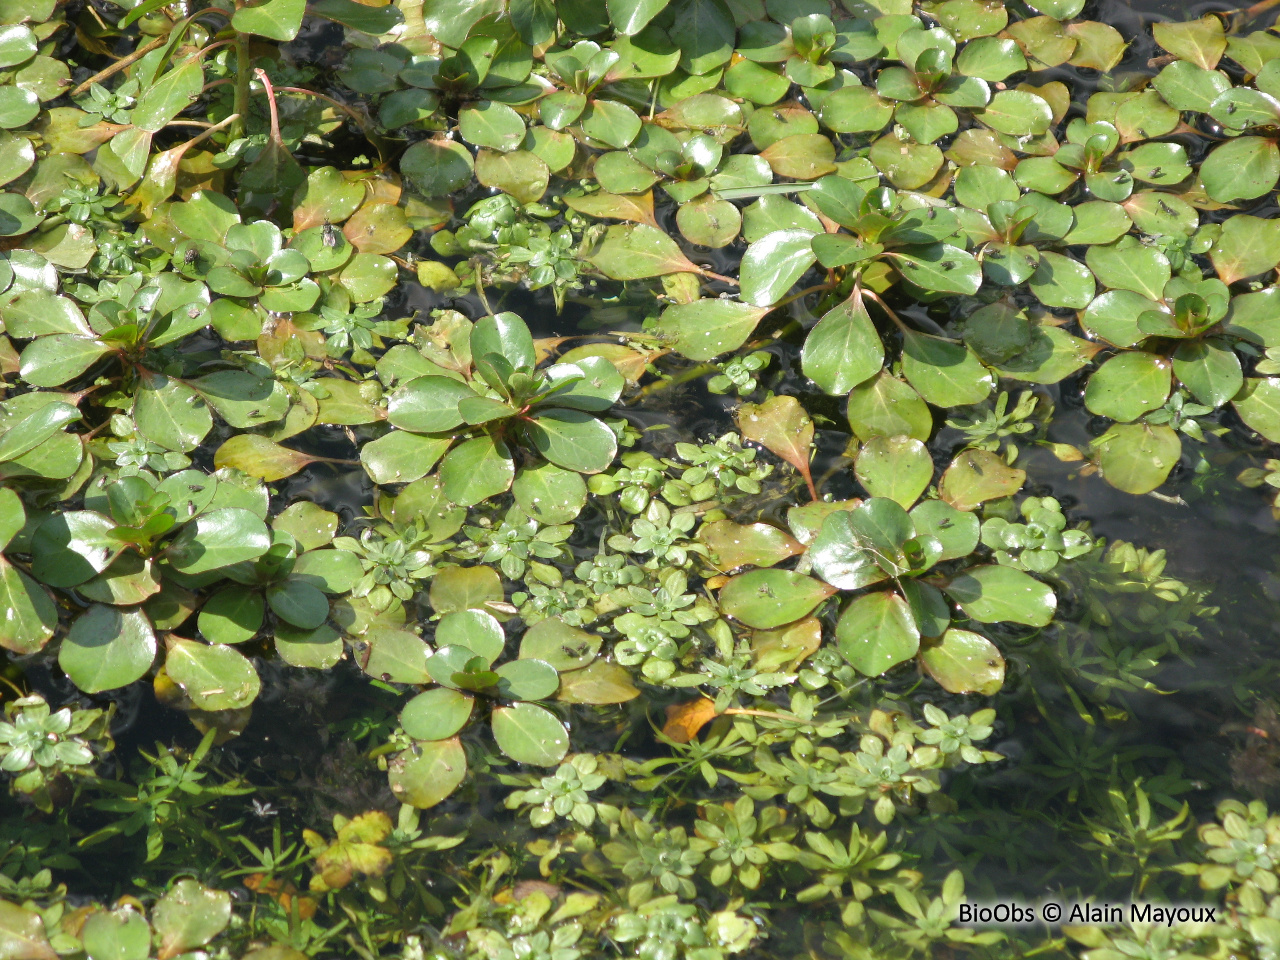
(119, 65)
(240, 104)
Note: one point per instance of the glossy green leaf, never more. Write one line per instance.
(885, 406)
(572, 439)
(773, 264)
(898, 468)
(1137, 457)
(427, 773)
(771, 598)
(1129, 385)
(107, 648)
(30, 615)
(232, 615)
(995, 593)
(843, 349)
(218, 539)
(876, 632)
(528, 733)
(964, 662)
(274, 19)
(436, 714)
(475, 470)
(637, 251)
(550, 494)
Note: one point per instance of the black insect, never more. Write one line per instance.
(329, 234)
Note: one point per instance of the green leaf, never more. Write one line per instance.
(241, 399)
(298, 602)
(259, 457)
(17, 45)
(1128, 385)
(1202, 42)
(550, 494)
(358, 16)
(520, 173)
(600, 682)
(572, 439)
(770, 598)
(707, 34)
(1259, 406)
(964, 662)
(1246, 247)
(13, 516)
(1241, 169)
(491, 124)
(940, 268)
(394, 656)
(30, 615)
(976, 476)
(121, 934)
(22, 934)
(773, 264)
(215, 677)
(169, 412)
(476, 470)
(1017, 113)
(945, 374)
(609, 122)
(843, 349)
(957, 530)
(1113, 316)
(528, 733)
(476, 630)
(734, 545)
(427, 404)
(1210, 369)
(218, 539)
(898, 468)
(887, 407)
(526, 680)
(562, 646)
(171, 94)
(275, 19)
(18, 107)
(427, 773)
(1137, 457)
(632, 16)
(69, 548)
(877, 632)
(506, 335)
(232, 615)
(188, 916)
(436, 714)
(402, 457)
(1060, 281)
(995, 593)
(52, 361)
(709, 221)
(844, 558)
(465, 588)
(636, 251)
(107, 648)
(705, 329)
(437, 167)
(1130, 265)
(35, 428)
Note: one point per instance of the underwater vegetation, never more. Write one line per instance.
(675, 479)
